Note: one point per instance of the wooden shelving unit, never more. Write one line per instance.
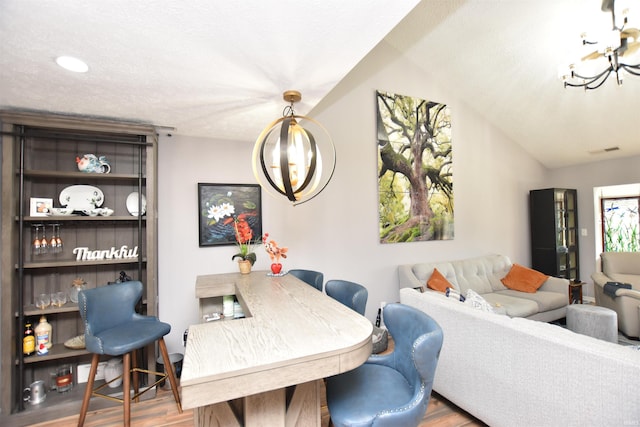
(38, 161)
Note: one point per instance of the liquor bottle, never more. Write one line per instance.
(29, 340)
(378, 318)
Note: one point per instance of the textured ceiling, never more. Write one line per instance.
(218, 69)
(207, 68)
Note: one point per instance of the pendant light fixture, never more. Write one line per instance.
(294, 156)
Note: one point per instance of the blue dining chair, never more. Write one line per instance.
(313, 278)
(112, 327)
(351, 294)
(391, 389)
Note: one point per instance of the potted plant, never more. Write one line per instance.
(244, 236)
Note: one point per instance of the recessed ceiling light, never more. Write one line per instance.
(72, 64)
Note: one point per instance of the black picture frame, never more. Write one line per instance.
(219, 205)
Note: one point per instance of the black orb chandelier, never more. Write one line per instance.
(294, 155)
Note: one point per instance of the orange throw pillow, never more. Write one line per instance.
(523, 279)
(437, 282)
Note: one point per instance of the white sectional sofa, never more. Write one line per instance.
(483, 275)
(518, 372)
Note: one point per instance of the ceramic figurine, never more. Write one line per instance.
(91, 163)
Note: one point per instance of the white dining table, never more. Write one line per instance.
(266, 369)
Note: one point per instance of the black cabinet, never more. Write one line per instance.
(554, 232)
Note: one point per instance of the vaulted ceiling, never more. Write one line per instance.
(218, 69)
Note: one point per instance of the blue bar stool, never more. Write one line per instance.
(112, 327)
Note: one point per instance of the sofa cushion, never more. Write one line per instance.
(438, 282)
(423, 272)
(546, 301)
(524, 279)
(620, 263)
(512, 306)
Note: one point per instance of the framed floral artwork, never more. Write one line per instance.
(221, 206)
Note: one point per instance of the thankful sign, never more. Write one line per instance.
(85, 254)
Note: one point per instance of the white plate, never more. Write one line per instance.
(132, 203)
(81, 197)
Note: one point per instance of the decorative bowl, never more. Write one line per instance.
(61, 211)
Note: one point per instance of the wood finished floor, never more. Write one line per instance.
(161, 411)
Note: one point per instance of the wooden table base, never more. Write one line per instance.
(294, 406)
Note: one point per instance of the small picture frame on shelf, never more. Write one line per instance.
(40, 206)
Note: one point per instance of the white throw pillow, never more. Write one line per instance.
(476, 301)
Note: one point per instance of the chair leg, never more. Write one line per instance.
(126, 388)
(87, 393)
(136, 382)
(170, 372)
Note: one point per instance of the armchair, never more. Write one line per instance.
(623, 267)
(391, 389)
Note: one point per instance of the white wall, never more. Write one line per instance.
(337, 232)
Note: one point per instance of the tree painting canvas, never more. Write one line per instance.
(415, 169)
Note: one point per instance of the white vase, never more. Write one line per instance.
(112, 370)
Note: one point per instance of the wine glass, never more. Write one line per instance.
(54, 299)
(44, 244)
(58, 239)
(43, 301)
(61, 298)
(35, 246)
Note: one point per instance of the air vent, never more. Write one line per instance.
(604, 150)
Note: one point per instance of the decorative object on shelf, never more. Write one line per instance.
(84, 254)
(219, 204)
(275, 253)
(113, 372)
(123, 277)
(64, 378)
(289, 159)
(81, 197)
(90, 163)
(77, 285)
(39, 206)
(60, 212)
(43, 336)
(613, 50)
(35, 393)
(135, 203)
(75, 343)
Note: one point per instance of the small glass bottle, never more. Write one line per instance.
(43, 336)
(29, 340)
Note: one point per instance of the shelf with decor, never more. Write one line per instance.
(78, 185)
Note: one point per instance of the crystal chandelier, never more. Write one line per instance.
(294, 156)
(613, 51)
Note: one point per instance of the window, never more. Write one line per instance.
(620, 224)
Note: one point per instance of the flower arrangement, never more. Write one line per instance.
(244, 236)
(275, 252)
